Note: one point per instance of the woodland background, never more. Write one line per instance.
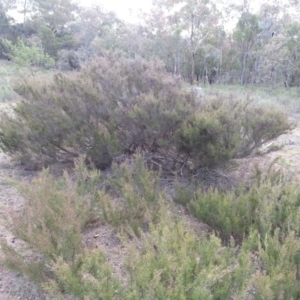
(211, 42)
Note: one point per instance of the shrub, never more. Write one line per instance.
(226, 128)
(54, 214)
(136, 197)
(56, 211)
(270, 202)
(118, 106)
(26, 56)
(166, 259)
(91, 279)
(112, 106)
(275, 259)
(173, 263)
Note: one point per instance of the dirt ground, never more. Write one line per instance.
(15, 286)
(12, 285)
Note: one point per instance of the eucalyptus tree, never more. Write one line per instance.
(247, 38)
(5, 24)
(280, 44)
(209, 57)
(94, 28)
(53, 13)
(5, 20)
(197, 18)
(50, 19)
(292, 54)
(166, 40)
(188, 20)
(268, 64)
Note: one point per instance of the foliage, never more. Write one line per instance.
(276, 260)
(91, 278)
(118, 106)
(57, 210)
(53, 217)
(112, 106)
(52, 42)
(195, 39)
(115, 108)
(226, 128)
(6, 91)
(270, 202)
(55, 13)
(26, 56)
(167, 259)
(175, 263)
(136, 197)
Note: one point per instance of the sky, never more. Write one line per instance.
(125, 9)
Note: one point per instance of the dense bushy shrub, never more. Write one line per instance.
(275, 259)
(111, 107)
(120, 106)
(271, 202)
(176, 264)
(226, 128)
(136, 195)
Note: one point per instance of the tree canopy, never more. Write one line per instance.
(205, 41)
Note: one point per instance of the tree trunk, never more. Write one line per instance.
(256, 67)
(192, 50)
(193, 68)
(244, 63)
(24, 13)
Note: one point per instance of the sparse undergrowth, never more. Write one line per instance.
(254, 252)
(136, 107)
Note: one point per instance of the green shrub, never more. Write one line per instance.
(136, 197)
(165, 258)
(117, 106)
(275, 261)
(56, 211)
(6, 91)
(51, 222)
(54, 42)
(270, 202)
(25, 56)
(91, 279)
(113, 106)
(226, 128)
(280, 258)
(173, 263)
